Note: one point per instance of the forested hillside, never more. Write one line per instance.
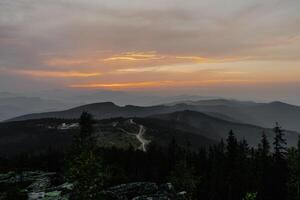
(227, 170)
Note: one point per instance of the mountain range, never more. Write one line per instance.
(217, 129)
(191, 128)
(12, 106)
(16, 104)
(197, 123)
(259, 114)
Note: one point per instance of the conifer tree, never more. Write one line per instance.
(232, 152)
(85, 167)
(298, 168)
(265, 146)
(279, 143)
(292, 174)
(263, 164)
(232, 147)
(280, 175)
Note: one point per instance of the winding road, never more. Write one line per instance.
(139, 136)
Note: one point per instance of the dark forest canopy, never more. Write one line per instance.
(229, 170)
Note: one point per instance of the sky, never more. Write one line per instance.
(243, 49)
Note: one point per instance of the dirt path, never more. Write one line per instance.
(139, 136)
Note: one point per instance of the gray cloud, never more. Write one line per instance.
(31, 29)
(198, 27)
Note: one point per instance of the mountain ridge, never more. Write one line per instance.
(259, 114)
(219, 128)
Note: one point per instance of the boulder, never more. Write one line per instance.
(131, 190)
(143, 191)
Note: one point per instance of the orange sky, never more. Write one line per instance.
(150, 70)
(141, 45)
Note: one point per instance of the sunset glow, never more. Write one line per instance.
(56, 74)
(150, 46)
(134, 56)
(158, 84)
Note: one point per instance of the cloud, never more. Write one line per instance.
(70, 62)
(134, 56)
(151, 84)
(172, 68)
(199, 59)
(159, 40)
(158, 84)
(209, 29)
(52, 74)
(56, 74)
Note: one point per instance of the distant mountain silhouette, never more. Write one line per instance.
(215, 128)
(259, 114)
(17, 104)
(11, 106)
(187, 127)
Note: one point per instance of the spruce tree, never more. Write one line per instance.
(85, 167)
(263, 164)
(280, 175)
(85, 138)
(292, 174)
(279, 143)
(265, 147)
(232, 152)
(216, 175)
(298, 169)
(232, 147)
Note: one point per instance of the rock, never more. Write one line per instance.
(43, 187)
(143, 191)
(53, 195)
(9, 177)
(40, 185)
(112, 195)
(166, 188)
(152, 197)
(36, 195)
(65, 186)
(131, 190)
(12, 177)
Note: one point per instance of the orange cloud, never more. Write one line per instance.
(159, 84)
(199, 59)
(194, 58)
(134, 56)
(56, 74)
(132, 60)
(123, 85)
(72, 61)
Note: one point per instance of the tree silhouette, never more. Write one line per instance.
(85, 168)
(279, 143)
(263, 166)
(279, 182)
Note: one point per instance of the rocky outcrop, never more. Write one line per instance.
(61, 192)
(143, 191)
(39, 185)
(42, 186)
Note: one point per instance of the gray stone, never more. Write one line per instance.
(131, 190)
(143, 191)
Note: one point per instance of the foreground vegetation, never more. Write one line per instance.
(230, 170)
